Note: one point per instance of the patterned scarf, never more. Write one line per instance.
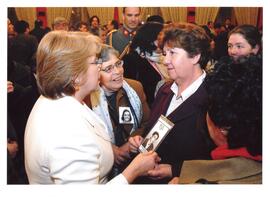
(100, 107)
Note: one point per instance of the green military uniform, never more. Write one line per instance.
(120, 40)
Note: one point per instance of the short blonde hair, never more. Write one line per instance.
(61, 57)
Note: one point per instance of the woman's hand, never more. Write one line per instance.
(160, 171)
(140, 165)
(174, 180)
(134, 143)
(12, 147)
(121, 154)
(10, 87)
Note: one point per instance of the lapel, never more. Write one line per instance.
(96, 124)
(196, 101)
(190, 106)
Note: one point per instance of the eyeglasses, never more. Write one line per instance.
(97, 62)
(110, 68)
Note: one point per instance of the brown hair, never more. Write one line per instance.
(249, 32)
(61, 57)
(189, 37)
(124, 10)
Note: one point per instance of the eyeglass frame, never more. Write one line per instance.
(97, 62)
(118, 64)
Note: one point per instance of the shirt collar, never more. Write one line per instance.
(189, 90)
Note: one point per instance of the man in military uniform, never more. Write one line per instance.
(121, 38)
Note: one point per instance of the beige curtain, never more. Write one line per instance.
(29, 14)
(246, 15)
(84, 14)
(104, 13)
(174, 14)
(148, 11)
(53, 12)
(205, 14)
(145, 12)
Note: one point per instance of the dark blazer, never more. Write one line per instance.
(187, 140)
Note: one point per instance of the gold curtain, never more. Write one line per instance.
(246, 15)
(174, 14)
(84, 14)
(29, 14)
(205, 14)
(53, 12)
(148, 11)
(104, 13)
(145, 12)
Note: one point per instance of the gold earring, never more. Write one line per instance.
(77, 87)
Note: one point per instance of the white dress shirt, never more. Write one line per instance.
(177, 101)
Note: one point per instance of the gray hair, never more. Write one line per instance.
(106, 52)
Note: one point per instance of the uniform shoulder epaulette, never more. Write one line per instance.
(110, 35)
(111, 32)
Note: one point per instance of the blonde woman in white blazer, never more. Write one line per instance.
(65, 141)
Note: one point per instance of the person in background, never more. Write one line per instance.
(234, 122)
(10, 29)
(155, 18)
(112, 26)
(23, 46)
(121, 39)
(210, 25)
(94, 25)
(228, 24)
(115, 93)
(38, 31)
(144, 62)
(183, 101)
(83, 27)
(103, 34)
(65, 141)
(60, 23)
(12, 147)
(221, 40)
(244, 40)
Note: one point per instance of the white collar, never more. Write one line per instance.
(191, 89)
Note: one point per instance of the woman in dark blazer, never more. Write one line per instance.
(183, 101)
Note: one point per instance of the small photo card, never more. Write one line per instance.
(125, 115)
(156, 135)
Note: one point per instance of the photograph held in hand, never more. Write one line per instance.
(156, 135)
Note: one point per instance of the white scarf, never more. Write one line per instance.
(156, 60)
(100, 107)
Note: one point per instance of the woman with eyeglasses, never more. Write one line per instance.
(116, 96)
(65, 141)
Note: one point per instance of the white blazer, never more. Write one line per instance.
(66, 142)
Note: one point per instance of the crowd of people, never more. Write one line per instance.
(81, 100)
